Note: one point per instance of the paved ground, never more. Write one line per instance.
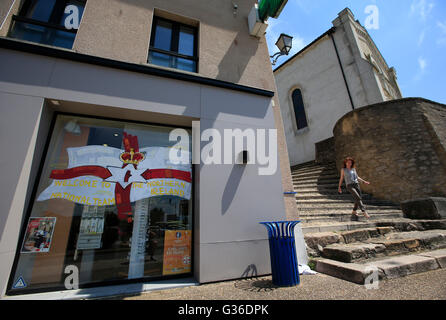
(429, 285)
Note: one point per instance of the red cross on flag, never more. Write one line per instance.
(101, 176)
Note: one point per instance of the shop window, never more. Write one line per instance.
(173, 45)
(109, 205)
(50, 22)
(299, 109)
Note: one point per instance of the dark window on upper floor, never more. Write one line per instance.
(173, 45)
(50, 22)
(299, 109)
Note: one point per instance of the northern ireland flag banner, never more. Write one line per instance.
(102, 176)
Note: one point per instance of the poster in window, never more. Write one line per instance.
(91, 228)
(177, 252)
(39, 234)
(104, 176)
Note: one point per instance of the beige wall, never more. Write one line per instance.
(7, 9)
(120, 30)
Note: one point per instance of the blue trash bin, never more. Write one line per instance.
(282, 250)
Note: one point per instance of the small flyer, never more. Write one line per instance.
(39, 234)
(177, 251)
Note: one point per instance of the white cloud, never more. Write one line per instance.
(422, 63)
(304, 5)
(442, 39)
(272, 34)
(422, 8)
(421, 38)
(442, 26)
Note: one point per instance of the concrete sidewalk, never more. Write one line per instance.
(423, 286)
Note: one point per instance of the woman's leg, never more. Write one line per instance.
(355, 197)
(359, 199)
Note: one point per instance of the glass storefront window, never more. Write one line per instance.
(109, 204)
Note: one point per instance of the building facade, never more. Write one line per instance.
(91, 93)
(340, 71)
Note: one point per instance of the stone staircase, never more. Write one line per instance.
(350, 248)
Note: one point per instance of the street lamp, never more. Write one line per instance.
(284, 43)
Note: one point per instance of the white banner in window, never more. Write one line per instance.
(100, 176)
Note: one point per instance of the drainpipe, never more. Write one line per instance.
(332, 30)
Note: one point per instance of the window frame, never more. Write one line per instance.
(33, 195)
(293, 110)
(54, 20)
(175, 38)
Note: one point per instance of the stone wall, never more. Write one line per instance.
(399, 146)
(325, 151)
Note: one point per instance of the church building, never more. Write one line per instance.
(338, 72)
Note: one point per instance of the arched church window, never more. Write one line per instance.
(299, 109)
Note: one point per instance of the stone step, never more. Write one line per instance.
(400, 224)
(318, 180)
(335, 226)
(346, 200)
(317, 186)
(316, 209)
(319, 174)
(326, 191)
(428, 239)
(348, 217)
(308, 169)
(309, 192)
(404, 224)
(338, 213)
(385, 268)
(314, 166)
(391, 244)
(309, 165)
(308, 213)
(319, 240)
(353, 252)
(311, 196)
(341, 205)
(315, 170)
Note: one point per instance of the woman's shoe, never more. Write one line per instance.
(366, 215)
(355, 216)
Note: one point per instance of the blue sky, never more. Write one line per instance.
(411, 37)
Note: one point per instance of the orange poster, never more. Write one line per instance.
(177, 251)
